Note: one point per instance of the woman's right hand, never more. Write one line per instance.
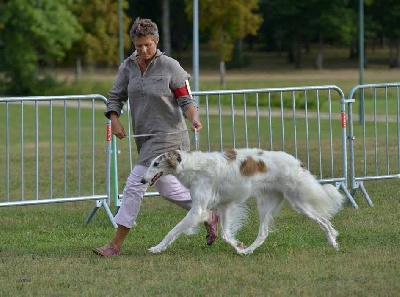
(116, 127)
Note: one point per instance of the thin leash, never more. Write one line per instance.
(196, 139)
(196, 136)
(152, 134)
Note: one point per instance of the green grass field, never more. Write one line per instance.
(46, 250)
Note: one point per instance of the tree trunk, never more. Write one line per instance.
(397, 55)
(222, 72)
(240, 48)
(237, 55)
(320, 54)
(353, 49)
(390, 53)
(166, 35)
(78, 69)
(298, 53)
(291, 49)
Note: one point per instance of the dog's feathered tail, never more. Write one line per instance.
(325, 199)
(336, 199)
(239, 217)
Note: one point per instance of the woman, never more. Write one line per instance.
(159, 96)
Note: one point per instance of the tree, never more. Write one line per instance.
(32, 32)
(286, 22)
(226, 21)
(326, 25)
(174, 28)
(166, 34)
(387, 14)
(292, 25)
(99, 41)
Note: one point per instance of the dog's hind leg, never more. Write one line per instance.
(266, 205)
(324, 223)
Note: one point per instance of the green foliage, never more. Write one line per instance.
(226, 21)
(386, 15)
(33, 32)
(239, 59)
(99, 42)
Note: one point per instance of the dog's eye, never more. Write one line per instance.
(156, 164)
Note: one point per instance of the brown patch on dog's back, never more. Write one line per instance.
(230, 154)
(252, 167)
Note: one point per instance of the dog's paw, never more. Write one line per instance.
(245, 252)
(239, 247)
(155, 249)
(336, 246)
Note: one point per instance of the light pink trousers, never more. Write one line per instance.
(168, 187)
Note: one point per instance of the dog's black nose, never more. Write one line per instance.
(143, 181)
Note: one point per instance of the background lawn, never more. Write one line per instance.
(46, 250)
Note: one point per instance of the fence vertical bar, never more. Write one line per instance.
(258, 122)
(7, 153)
(37, 150)
(51, 149)
(233, 121)
(294, 123)
(22, 152)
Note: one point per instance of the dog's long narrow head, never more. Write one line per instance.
(162, 165)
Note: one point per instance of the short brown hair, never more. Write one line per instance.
(144, 27)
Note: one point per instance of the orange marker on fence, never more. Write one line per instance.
(108, 132)
(343, 119)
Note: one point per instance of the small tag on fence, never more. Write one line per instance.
(343, 119)
(108, 133)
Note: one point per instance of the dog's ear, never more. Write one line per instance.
(173, 158)
(175, 155)
(178, 156)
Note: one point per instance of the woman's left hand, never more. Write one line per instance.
(196, 125)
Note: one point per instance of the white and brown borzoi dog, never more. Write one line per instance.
(225, 180)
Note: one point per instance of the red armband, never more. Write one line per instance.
(183, 91)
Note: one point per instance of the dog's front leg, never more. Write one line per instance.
(192, 218)
(200, 195)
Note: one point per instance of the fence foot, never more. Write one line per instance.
(349, 196)
(90, 216)
(365, 193)
(111, 217)
(101, 203)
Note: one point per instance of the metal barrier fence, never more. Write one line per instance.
(308, 122)
(377, 145)
(54, 151)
